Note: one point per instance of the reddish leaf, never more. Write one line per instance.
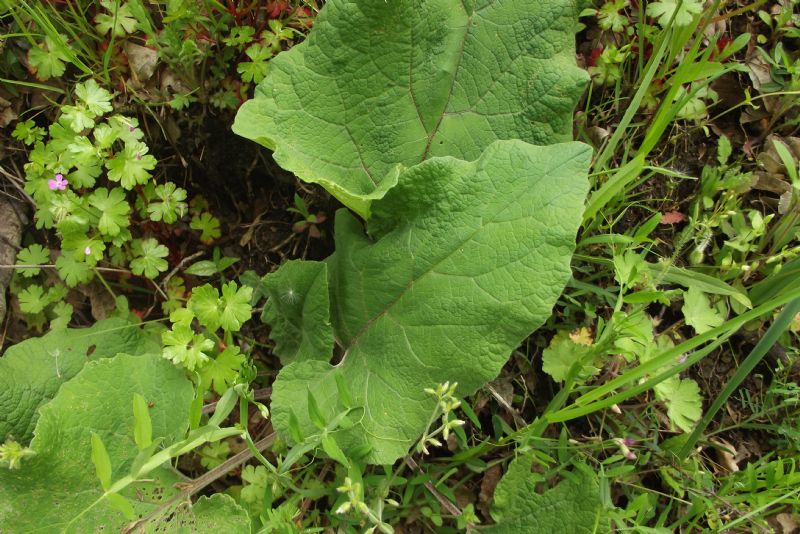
(672, 217)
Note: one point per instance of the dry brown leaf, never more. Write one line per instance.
(787, 523)
(491, 477)
(142, 61)
(726, 455)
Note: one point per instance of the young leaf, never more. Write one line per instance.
(31, 299)
(683, 10)
(71, 270)
(170, 206)
(313, 411)
(184, 347)
(465, 260)
(207, 225)
(142, 425)
(101, 461)
(563, 353)
(235, 308)
(221, 372)
(434, 78)
(96, 99)
(149, 257)
(28, 132)
(61, 315)
(49, 63)
(119, 21)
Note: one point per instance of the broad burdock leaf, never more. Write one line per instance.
(51, 489)
(149, 259)
(298, 308)
(465, 259)
(573, 506)
(378, 84)
(32, 371)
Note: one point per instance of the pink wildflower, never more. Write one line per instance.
(87, 250)
(58, 183)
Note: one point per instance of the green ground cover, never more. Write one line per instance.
(400, 266)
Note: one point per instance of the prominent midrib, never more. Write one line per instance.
(485, 222)
(435, 129)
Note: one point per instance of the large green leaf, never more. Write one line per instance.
(52, 489)
(299, 310)
(378, 84)
(465, 259)
(32, 371)
(574, 506)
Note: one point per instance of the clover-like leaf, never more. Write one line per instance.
(78, 118)
(54, 490)
(72, 270)
(184, 347)
(119, 21)
(131, 166)
(465, 260)
(377, 84)
(170, 205)
(235, 308)
(30, 257)
(149, 258)
(698, 311)
(207, 225)
(563, 353)
(114, 209)
(48, 61)
(96, 99)
(684, 11)
(32, 300)
(221, 372)
(683, 400)
(228, 311)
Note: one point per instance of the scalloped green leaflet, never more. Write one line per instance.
(379, 84)
(32, 371)
(574, 506)
(465, 260)
(51, 489)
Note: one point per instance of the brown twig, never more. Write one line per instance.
(444, 501)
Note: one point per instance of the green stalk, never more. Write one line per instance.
(591, 401)
(777, 328)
